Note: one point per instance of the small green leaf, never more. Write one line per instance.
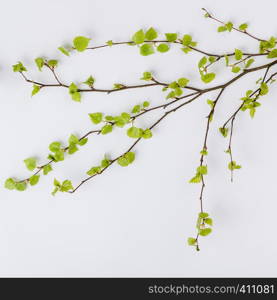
(264, 89)
(96, 118)
(73, 91)
(205, 231)
(238, 54)
(163, 48)
(83, 141)
(46, 169)
(203, 215)
(146, 49)
(64, 51)
(191, 241)
(31, 163)
(233, 166)
(235, 69)
(39, 62)
(223, 131)
(146, 76)
(151, 34)
(145, 104)
(10, 184)
(202, 62)
(208, 77)
(221, 28)
(126, 159)
(171, 37)
(81, 43)
(59, 155)
(136, 109)
(105, 163)
(243, 26)
(138, 37)
(20, 186)
(34, 179)
(134, 132)
(90, 81)
(109, 43)
(118, 86)
(203, 170)
(66, 186)
(147, 134)
(209, 221)
(229, 26)
(19, 67)
(187, 39)
(204, 152)
(55, 146)
(52, 63)
(272, 53)
(94, 170)
(72, 148)
(106, 129)
(183, 82)
(249, 62)
(196, 179)
(36, 89)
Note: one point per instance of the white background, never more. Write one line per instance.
(133, 221)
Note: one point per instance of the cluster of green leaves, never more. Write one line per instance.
(80, 43)
(233, 165)
(98, 169)
(137, 133)
(250, 100)
(268, 45)
(203, 226)
(206, 77)
(126, 159)
(200, 171)
(65, 186)
(176, 87)
(188, 43)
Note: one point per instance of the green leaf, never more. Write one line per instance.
(138, 37)
(81, 43)
(221, 28)
(209, 221)
(96, 118)
(203, 170)
(73, 91)
(146, 76)
(151, 34)
(233, 166)
(90, 81)
(126, 159)
(109, 43)
(243, 26)
(204, 152)
(264, 89)
(31, 163)
(34, 179)
(105, 163)
(171, 95)
(187, 39)
(19, 67)
(36, 89)
(238, 54)
(208, 77)
(191, 241)
(20, 186)
(94, 170)
(229, 26)
(83, 141)
(171, 37)
(223, 131)
(72, 148)
(147, 134)
(118, 86)
(272, 53)
(202, 62)
(10, 184)
(106, 129)
(178, 91)
(226, 60)
(183, 82)
(39, 62)
(59, 155)
(134, 132)
(57, 183)
(249, 62)
(46, 169)
(73, 139)
(163, 48)
(145, 104)
(212, 59)
(66, 186)
(186, 50)
(203, 215)
(136, 109)
(146, 49)
(52, 63)
(196, 179)
(235, 69)
(64, 51)
(55, 146)
(205, 231)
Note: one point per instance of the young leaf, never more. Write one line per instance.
(55, 146)
(145, 104)
(163, 48)
(171, 37)
(73, 91)
(106, 129)
(147, 134)
(36, 89)
(90, 81)
(208, 77)
(39, 62)
(203, 170)
(81, 43)
(146, 49)
(46, 169)
(272, 54)
(191, 241)
(187, 39)
(235, 69)
(20, 186)
(205, 231)
(52, 63)
(96, 118)
(10, 184)
(223, 131)
(134, 132)
(146, 76)
(229, 26)
(183, 82)
(66, 186)
(238, 54)
(243, 26)
(249, 62)
(151, 34)
(221, 28)
(19, 67)
(264, 89)
(64, 51)
(196, 179)
(31, 163)
(34, 179)
(203, 215)
(138, 37)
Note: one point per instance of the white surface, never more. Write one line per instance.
(133, 221)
